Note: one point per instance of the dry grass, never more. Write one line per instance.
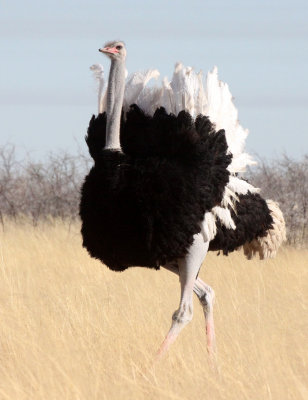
(72, 329)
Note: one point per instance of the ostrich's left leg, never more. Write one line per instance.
(206, 297)
(188, 270)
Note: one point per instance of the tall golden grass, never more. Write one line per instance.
(72, 329)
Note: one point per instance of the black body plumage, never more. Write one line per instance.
(142, 206)
(252, 220)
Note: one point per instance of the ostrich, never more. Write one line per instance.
(163, 190)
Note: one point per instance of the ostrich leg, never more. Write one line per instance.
(206, 297)
(188, 268)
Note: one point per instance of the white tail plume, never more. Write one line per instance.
(268, 245)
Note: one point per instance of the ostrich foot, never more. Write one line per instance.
(180, 318)
(210, 336)
(169, 339)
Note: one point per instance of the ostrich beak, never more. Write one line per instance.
(111, 50)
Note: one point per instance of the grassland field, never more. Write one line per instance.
(72, 329)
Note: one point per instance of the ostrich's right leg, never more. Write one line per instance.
(206, 297)
(188, 268)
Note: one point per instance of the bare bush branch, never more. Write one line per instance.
(40, 190)
(286, 181)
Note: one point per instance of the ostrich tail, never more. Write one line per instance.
(268, 245)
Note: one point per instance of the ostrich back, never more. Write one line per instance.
(142, 206)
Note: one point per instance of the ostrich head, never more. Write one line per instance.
(115, 50)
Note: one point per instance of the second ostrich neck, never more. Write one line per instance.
(115, 94)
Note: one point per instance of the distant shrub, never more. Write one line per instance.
(40, 189)
(286, 181)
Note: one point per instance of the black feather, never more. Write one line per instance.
(143, 206)
(252, 219)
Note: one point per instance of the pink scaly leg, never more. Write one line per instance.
(188, 268)
(206, 297)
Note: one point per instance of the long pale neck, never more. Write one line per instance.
(115, 94)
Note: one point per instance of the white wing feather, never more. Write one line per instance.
(135, 85)
(167, 97)
(223, 113)
(235, 187)
(225, 216)
(186, 92)
(239, 186)
(153, 93)
(208, 227)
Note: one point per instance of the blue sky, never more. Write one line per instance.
(47, 93)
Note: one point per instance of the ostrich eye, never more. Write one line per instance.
(119, 47)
